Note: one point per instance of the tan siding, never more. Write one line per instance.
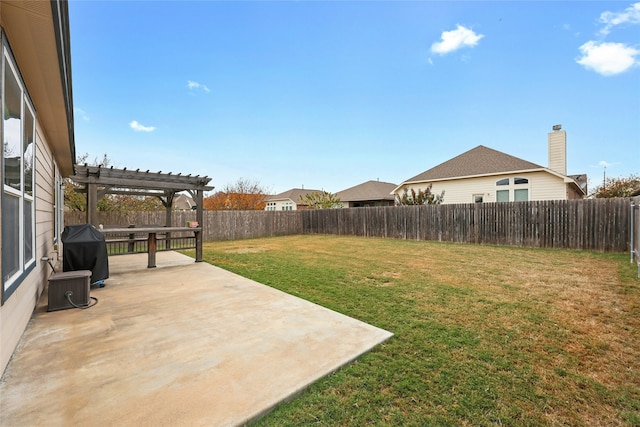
(558, 152)
(45, 181)
(545, 186)
(542, 186)
(17, 310)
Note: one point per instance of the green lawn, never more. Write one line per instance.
(484, 335)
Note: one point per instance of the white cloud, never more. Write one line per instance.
(81, 113)
(195, 85)
(607, 59)
(453, 40)
(631, 15)
(140, 128)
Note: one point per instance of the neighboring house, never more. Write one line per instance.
(370, 193)
(183, 202)
(289, 200)
(39, 150)
(486, 175)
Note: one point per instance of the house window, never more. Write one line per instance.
(502, 196)
(521, 194)
(18, 159)
(520, 190)
(477, 198)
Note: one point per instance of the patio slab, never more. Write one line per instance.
(182, 344)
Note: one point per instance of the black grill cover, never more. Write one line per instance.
(85, 249)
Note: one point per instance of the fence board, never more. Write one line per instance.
(598, 224)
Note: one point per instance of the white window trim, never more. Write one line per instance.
(25, 265)
(512, 187)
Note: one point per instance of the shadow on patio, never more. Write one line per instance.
(182, 344)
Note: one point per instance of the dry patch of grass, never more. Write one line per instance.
(483, 335)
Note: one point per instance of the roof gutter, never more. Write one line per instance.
(566, 179)
(60, 11)
(474, 176)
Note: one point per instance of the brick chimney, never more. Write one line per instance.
(558, 150)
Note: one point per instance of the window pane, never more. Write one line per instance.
(504, 181)
(477, 198)
(28, 231)
(521, 195)
(520, 181)
(10, 236)
(502, 196)
(28, 145)
(12, 148)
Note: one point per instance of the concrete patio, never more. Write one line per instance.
(183, 344)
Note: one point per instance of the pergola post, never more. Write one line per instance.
(168, 217)
(199, 199)
(92, 204)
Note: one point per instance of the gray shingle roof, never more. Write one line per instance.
(294, 194)
(477, 161)
(182, 201)
(370, 190)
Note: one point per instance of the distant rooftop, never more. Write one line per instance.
(294, 194)
(370, 190)
(477, 161)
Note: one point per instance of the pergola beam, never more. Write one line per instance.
(124, 178)
(99, 181)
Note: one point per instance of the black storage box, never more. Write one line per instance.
(84, 248)
(76, 282)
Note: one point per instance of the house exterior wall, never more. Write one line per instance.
(573, 194)
(36, 36)
(18, 308)
(542, 186)
(281, 205)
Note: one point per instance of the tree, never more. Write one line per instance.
(617, 187)
(244, 195)
(426, 197)
(321, 200)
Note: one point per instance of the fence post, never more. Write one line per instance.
(633, 235)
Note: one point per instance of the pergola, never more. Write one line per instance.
(99, 181)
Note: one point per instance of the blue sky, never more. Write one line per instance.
(330, 94)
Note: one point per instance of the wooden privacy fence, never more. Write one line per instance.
(597, 224)
(217, 225)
